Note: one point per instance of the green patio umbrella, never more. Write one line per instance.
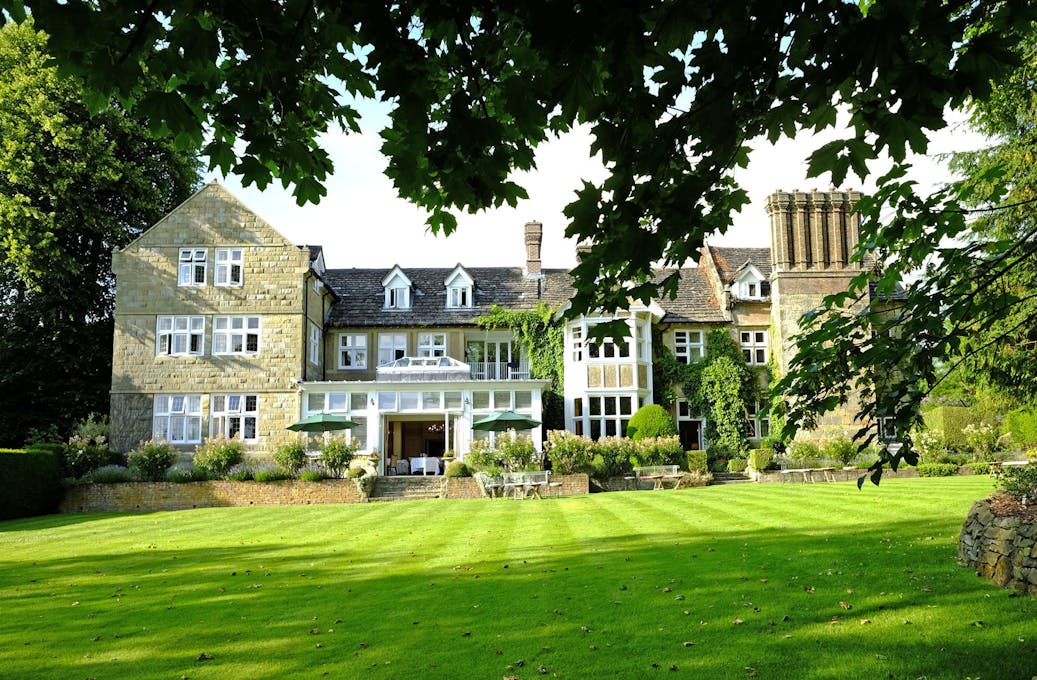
(322, 422)
(505, 420)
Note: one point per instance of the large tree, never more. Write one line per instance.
(72, 187)
(673, 92)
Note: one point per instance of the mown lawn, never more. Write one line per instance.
(789, 581)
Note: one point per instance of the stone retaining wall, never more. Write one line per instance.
(152, 496)
(778, 477)
(1000, 549)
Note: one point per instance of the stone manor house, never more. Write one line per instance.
(223, 327)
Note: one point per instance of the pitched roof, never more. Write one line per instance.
(695, 302)
(362, 298)
(730, 260)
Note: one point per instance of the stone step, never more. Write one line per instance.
(407, 488)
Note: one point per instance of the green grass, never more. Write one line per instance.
(718, 582)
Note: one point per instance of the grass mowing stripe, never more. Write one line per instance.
(607, 584)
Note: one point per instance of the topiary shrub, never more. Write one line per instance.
(951, 421)
(290, 457)
(1021, 424)
(937, 469)
(456, 468)
(32, 481)
(697, 461)
(217, 455)
(736, 465)
(152, 459)
(760, 459)
(336, 454)
(569, 453)
(651, 420)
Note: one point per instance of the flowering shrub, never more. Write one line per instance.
(569, 453)
(242, 472)
(290, 457)
(518, 454)
(984, 441)
(181, 473)
(931, 445)
(1020, 483)
(110, 474)
(840, 449)
(481, 458)
(152, 458)
(217, 455)
(336, 454)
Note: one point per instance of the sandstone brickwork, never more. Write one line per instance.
(1000, 549)
(274, 275)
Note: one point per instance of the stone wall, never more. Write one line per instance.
(1000, 549)
(149, 497)
(146, 496)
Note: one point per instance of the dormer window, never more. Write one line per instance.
(459, 286)
(397, 289)
(749, 284)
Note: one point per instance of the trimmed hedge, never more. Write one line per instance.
(651, 420)
(937, 469)
(33, 481)
(951, 420)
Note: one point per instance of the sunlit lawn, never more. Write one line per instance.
(768, 581)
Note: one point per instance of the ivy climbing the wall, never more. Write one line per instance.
(719, 388)
(542, 339)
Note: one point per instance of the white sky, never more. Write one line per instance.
(363, 223)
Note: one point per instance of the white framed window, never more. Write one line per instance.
(759, 425)
(352, 350)
(577, 346)
(314, 344)
(391, 346)
(754, 347)
(459, 297)
(235, 415)
(608, 348)
(888, 429)
(177, 418)
(689, 346)
(179, 335)
(605, 415)
(431, 344)
(397, 297)
(192, 265)
(235, 335)
(228, 271)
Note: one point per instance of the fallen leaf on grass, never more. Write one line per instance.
(738, 622)
(845, 605)
(204, 657)
(808, 589)
(865, 622)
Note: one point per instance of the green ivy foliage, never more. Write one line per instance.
(542, 338)
(720, 387)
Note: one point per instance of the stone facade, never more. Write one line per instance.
(1000, 549)
(273, 287)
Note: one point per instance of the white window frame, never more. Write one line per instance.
(229, 268)
(431, 344)
(192, 266)
(177, 418)
(759, 427)
(233, 414)
(577, 343)
(314, 344)
(755, 346)
(175, 336)
(686, 348)
(391, 346)
(397, 297)
(606, 414)
(459, 297)
(354, 347)
(888, 429)
(231, 334)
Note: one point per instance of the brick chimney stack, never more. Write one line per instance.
(534, 235)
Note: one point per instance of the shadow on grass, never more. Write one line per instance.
(470, 600)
